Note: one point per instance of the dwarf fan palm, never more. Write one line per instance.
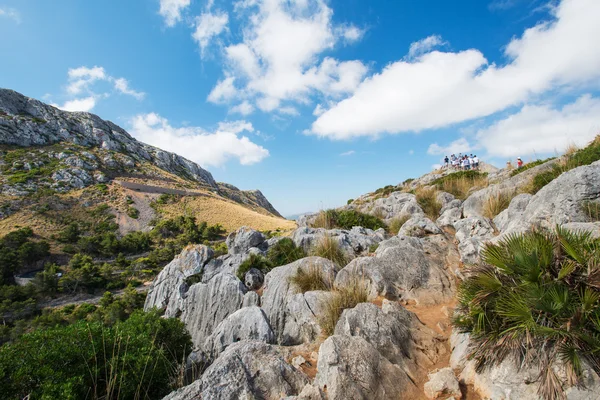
(535, 299)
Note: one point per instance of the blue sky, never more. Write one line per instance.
(315, 102)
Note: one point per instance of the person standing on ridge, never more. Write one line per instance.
(519, 162)
(446, 160)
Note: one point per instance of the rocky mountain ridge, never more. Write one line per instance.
(262, 337)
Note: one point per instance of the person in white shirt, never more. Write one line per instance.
(475, 162)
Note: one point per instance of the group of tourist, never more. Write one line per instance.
(461, 162)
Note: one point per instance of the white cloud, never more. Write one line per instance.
(541, 129)
(11, 13)
(83, 104)
(424, 46)
(279, 58)
(461, 145)
(224, 91)
(81, 78)
(244, 108)
(288, 111)
(198, 145)
(208, 26)
(347, 153)
(441, 88)
(122, 85)
(171, 10)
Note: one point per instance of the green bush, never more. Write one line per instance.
(536, 298)
(137, 358)
(133, 212)
(254, 261)
(347, 219)
(18, 250)
(329, 248)
(349, 201)
(284, 252)
(311, 279)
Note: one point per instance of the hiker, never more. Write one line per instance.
(519, 162)
(476, 161)
(446, 162)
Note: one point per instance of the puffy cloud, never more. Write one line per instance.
(461, 145)
(278, 59)
(171, 10)
(122, 85)
(196, 144)
(244, 108)
(437, 89)
(80, 78)
(208, 26)
(424, 46)
(83, 104)
(11, 13)
(542, 129)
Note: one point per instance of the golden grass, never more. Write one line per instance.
(497, 202)
(396, 223)
(464, 186)
(347, 296)
(230, 215)
(329, 248)
(312, 279)
(323, 220)
(427, 199)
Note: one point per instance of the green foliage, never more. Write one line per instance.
(396, 223)
(349, 201)
(17, 251)
(132, 359)
(591, 209)
(535, 298)
(185, 230)
(328, 247)
(373, 248)
(254, 261)
(529, 166)
(385, 191)
(306, 280)
(347, 219)
(427, 200)
(70, 234)
(461, 183)
(407, 181)
(220, 249)
(581, 157)
(355, 291)
(133, 212)
(284, 252)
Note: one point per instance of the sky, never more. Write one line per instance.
(315, 102)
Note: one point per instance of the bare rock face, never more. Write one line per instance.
(390, 207)
(396, 333)
(246, 370)
(513, 213)
(351, 368)
(352, 242)
(419, 225)
(442, 384)
(168, 288)
(248, 323)
(404, 267)
(472, 233)
(293, 315)
(244, 239)
(205, 305)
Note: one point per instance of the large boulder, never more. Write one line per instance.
(405, 268)
(205, 305)
(441, 384)
(392, 206)
(514, 212)
(349, 367)
(396, 333)
(507, 381)
(352, 242)
(293, 315)
(471, 234)
(419, 225)
(247, 323)
(244, 239)
(246, 370)
(169, 286)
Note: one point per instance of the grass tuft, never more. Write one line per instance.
(311, 279)
(591, 209)
(496, 202)
(396, 223)
(348, 296)
(329, 248)
(462, 183)
(427, 199)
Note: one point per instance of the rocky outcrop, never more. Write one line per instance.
(243, 240)
(390, 207)
(246, 370)
(293, 315)
(471, 234)
(442, 384)
(253, 198)
(352, 242)
(405, 268)
(349, 367)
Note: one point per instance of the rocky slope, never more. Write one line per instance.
(72, 150)
(264, 338)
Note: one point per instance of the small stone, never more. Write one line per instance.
(441, 384)
(298, 361)
(254, 279)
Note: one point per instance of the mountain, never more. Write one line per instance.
(47, 150)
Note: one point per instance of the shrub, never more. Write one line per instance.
(535, 298)
(137, 358)
(461, 183)
(373, 248)
(311, 279)
(328, 247)
(427, 199)
(254, 261)
(496, 202)
(349, 201)
(347, 296)
(396, 223)
(133, 212)
(407, 181)
(347, 219)
(220, 249)
(284, 252)
(70, 234)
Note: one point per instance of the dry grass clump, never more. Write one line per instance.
(329, 248)
(396, 223)
(496, 203)
(323, 220)
(348, 296)
(591, 209)
(379, 213)
(462, 187)
(311, 279)
(427, 199)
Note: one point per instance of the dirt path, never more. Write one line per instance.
(84, 298)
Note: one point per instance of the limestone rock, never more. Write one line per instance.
(419, 226)
(251, 299)
(351, 368)
(441, 384)
(254, 279)
(352, 242)
(392, 206)
(245, 238)
(247, 323)
(472, 233)
(246, 370)
(514, 212)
